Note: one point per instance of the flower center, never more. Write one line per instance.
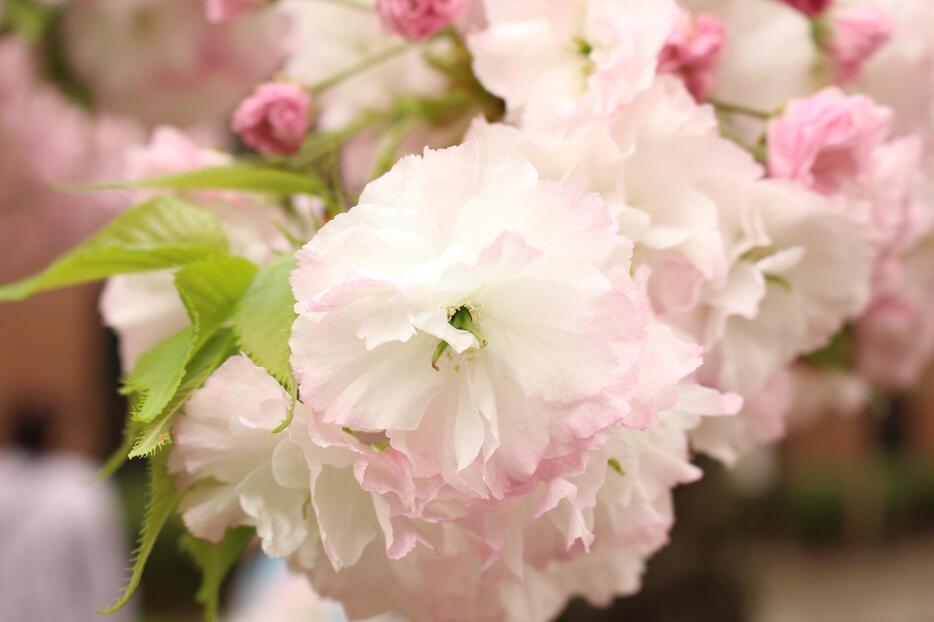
(762, 252)
(461, 319)
(584, 47)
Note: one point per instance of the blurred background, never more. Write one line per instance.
(835, 523)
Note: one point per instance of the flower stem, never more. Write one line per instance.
(757, 151)
(739, 109)
(355, 5)
(360, 67)
(393, 140)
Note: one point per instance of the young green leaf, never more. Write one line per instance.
(152, 383)
(161, 233)
(210, 290)
(151, 436)
(241, 177)
(264, 318)
(215, 561)
(163, 499)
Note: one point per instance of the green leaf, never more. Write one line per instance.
(150, 437)
(838, 354)
(28, 18)
(163, 499)
(242, 177)
(263, 322)
(215, 561)
(152, 383)
(210, 290)
(161, 233)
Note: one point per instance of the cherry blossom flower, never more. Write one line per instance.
(275, 118)
(258, 478)
(824, 140)
(419, 19)
(693, 52)
(471, 293)
(729, 254)
(560, 63)
(670, 212)
(803, 269)
(856, 35)
(519, 559)
(223, 10)
(810, 8)
(504, 354)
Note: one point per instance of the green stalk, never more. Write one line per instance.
(360, 67)
(350, 4)
(757, 151)
(729, 108)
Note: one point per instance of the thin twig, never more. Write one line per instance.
(757, 151)
(739, 109)
(350, 4)
(360, 67)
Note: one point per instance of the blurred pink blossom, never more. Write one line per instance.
(222, 10)
(857, 34)
(419, 19)
(895, 336)
(46, 140)
(895, 341)
(693, 52)
(275, 118)
(163, 62)
(811, 8)
(827, 139)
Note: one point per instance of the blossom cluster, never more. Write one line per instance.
(496, 271)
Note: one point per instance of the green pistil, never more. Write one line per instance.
(583, 46)
(758, 253)
(461, 320)
(615, 465)
(779, 280)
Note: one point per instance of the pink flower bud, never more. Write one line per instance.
(811, 8)
(827, 139)
(223, 10)
(856, 34)
(693, 52)
(419, 19)
(274, 119)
